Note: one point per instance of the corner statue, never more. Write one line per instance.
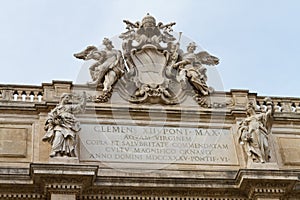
(254, 132)
(62, 127)
(150, 67)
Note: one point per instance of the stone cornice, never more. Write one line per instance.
(83, 179)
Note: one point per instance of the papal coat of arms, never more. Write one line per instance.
(151, 66)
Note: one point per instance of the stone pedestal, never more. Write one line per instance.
(63, 181)
(67, 160)
(268, 165)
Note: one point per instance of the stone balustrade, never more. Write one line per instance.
(32, 93)
(51, 92)
(17, 93)
(281, 104)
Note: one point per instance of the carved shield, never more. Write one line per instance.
(150, 64)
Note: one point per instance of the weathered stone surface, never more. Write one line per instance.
(193, 180)
(290, 150)
(13, 142)
(63, 196)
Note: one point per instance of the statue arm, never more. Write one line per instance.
(118, 57)
(181, 63)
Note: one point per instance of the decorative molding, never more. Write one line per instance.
(22, 196)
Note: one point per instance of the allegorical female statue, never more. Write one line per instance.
(61, 127)
(254, 132)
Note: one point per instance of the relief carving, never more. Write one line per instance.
(61, 126)
(254, 132)
(151, 67)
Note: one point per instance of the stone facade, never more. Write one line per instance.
(104, 170)
(147, 127)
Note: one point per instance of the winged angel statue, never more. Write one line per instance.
(157, 69)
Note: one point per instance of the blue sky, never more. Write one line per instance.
(257, 41)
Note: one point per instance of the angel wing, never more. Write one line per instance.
(91, 52)
(205, 58)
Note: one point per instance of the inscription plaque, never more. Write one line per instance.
(118, 143)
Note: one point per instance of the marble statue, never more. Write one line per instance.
(61, 127)
(254, 132)
(191, 68)
(151, 67)
(109, 64)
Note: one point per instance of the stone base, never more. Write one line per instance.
(267, 165)
(70, 160)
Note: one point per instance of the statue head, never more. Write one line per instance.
(268, 101)
(65, 98)
(107, 42)
(250, 108)
(191, 47)
(148, 21)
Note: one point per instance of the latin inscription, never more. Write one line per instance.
(116, 143)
